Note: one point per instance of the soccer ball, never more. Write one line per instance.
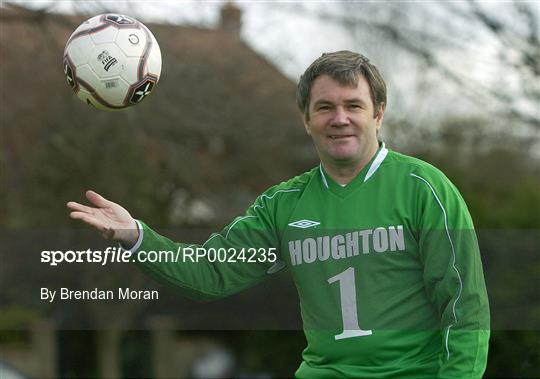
(112, 62)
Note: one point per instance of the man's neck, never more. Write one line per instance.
(344, 173)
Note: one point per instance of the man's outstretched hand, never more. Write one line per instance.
(109, 218)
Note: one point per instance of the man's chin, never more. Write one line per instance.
(344, 159)
(345, 155)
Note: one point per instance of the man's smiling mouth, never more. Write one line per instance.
(340, 136)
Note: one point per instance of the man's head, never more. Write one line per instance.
(344, 67)
(342, 97)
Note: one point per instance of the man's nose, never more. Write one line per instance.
(340, 118)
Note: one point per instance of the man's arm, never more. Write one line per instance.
(248, 244)
(453, 276)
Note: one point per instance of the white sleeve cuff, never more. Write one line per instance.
(137, 245)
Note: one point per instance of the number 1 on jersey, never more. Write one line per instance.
(349, 312)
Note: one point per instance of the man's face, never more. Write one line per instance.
(342, 122)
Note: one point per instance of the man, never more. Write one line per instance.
(381, 246)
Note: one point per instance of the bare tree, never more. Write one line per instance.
(507, 35)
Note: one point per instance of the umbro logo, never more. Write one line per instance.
(304, 224)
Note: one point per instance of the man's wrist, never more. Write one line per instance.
(133, 240)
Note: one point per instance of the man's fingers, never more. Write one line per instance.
(88, 219)
(79, 207)
(96, 199)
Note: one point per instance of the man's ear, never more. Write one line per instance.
(305, 120)
(379, 116)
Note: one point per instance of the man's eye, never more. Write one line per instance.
(323, 108)
(354, 106)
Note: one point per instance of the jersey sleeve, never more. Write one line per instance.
(453, 276)
(249, 245)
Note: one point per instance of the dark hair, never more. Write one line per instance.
(344, 67)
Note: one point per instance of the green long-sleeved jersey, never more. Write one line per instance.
(387, 269)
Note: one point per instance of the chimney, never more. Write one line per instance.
(231, 19)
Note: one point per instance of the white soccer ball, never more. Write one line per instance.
(112, 61)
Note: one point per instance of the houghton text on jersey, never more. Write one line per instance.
(346, 245)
